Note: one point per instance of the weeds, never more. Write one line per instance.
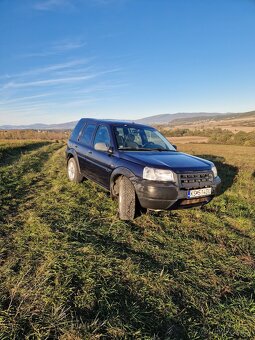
(71, 269)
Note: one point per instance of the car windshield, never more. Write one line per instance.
(136, 138)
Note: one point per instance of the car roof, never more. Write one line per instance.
(114, 122)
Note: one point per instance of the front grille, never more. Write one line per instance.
(195, 180)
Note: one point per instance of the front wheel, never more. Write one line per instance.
(73, 171)
(127, 199)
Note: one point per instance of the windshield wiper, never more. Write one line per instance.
(133, 149)
(159, 149)
(156, 149)
(144, 149)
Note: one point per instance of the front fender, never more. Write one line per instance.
(120, 171)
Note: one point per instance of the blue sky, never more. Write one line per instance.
(63, 59)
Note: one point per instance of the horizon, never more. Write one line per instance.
(65, 57)
(88, 117)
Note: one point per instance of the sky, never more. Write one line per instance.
(65, 59)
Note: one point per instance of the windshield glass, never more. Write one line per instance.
(138, 138)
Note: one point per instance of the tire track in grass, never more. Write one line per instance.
(16, 284)
(16, 180)
(10, 153)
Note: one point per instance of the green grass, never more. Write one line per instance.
(70, 269)
(10, 152)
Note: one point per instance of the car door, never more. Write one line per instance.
(102, 161)
(84, 147)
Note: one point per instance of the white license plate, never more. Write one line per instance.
(199, 192)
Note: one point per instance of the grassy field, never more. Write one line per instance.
(188, 140)
(235, 123)
(69, 269)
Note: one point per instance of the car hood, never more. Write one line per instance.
(176, 161)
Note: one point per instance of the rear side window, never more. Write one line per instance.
(88, 134)
(77, 129)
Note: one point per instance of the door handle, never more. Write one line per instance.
(76, 146)
(90, 152)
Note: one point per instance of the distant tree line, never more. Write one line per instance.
(34, 134)
(215, 135)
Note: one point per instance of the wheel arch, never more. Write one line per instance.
(116, 174)
(72, 154)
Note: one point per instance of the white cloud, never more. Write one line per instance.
(46, 69)
(53, 81)
(22, 99)
(68, 45)
(44, 82)
(51, 5)
(48, 5)
(59, 47)
(71, 85)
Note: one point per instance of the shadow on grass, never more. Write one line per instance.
(139, 313)
(11, 155)
(120, 302)
(123, 301)
(226, 172)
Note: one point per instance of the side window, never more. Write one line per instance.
(77, 129)
(119, 131)
(120, 136)
(88, 134)
(102, 136)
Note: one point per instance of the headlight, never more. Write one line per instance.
(214, 170)
(158, 174)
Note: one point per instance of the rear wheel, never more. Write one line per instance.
(127, 199)
(73, 171)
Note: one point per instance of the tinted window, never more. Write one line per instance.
(88, 134)
(102, 135)
(77, 130)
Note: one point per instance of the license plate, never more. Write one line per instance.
(199, 192)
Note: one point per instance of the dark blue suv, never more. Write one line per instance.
(139, 167)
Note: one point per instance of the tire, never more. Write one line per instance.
(73, 171)
(127, 200)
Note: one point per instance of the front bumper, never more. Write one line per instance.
(157, 195)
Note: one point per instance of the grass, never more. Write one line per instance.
(11, 151)
(71, 270)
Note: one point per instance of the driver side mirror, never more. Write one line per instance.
(103, 147)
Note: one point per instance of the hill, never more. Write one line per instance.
(175, 119)
(157, 119)
(40, 126)
(217, 117)
(169, 117)
(233, 122)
